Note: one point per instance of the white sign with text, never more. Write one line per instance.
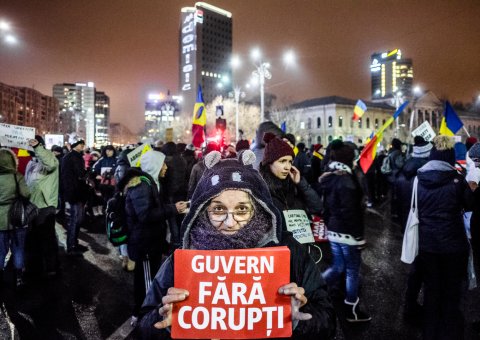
(16, 136)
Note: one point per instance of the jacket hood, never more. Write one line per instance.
(123, 157)
(436, 173)
(151, 163)
(264, 128)
(8, 161)
(412, 165)
(232, 174)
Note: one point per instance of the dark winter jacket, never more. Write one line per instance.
(189, 158)
(288, 196)
(302, 163)
(343, 203)
(175, 180)
(145, 214)
(443, 194)
(122, 165)
(195, 175)
(397, 160)
(105, 162)
(73, 178)
(404, 184)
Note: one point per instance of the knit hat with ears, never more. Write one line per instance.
(232, 174)
(275, 148)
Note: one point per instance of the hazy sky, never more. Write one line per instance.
(130, 47)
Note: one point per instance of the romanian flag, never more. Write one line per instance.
(450, 122)
(370, 151)
(199, 120)
(359, 110)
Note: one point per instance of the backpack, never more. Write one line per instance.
(116, 220)
(386, 168)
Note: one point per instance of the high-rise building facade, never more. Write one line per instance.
(205, 53)
(391, 74)
(28, 107)
(102, 119)
(77, 109)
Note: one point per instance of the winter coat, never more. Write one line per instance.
(288, 196)
(8, 191)
(196, 174)
(397, 160)
(42, 177)
(443, 195)
(105, 162)
(344, 209)
(122, 165)
(189, 158)
(176, 185)
(404, 185)
(316, 167)
(302, 163)
(73, 178)
(145, 215)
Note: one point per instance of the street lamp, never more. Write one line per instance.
(6, 34)
(236, 94)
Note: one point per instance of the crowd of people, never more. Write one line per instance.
(237, 197)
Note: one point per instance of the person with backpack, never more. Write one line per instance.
(11, 238)
(391, 166)
(146, 217)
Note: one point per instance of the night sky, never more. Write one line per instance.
(130, 47)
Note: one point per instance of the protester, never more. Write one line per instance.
(10, 238)
(443, 195)
(106, 163)
(199, 168)
(259, 146)
(289, 190)
(189, 157)
(316, 162)
(42, 178)
(344, 214)
(302, 162)
(474, 155)
(242, 144)
(146, 220)
(232, 209)
(75, 192)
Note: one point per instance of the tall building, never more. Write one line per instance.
(102, 118)
(28, 107)
(391, 74)
(205, 53)
(78, 111)
(160, 112)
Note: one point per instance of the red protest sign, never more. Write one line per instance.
(233, 294)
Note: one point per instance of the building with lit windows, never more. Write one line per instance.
(205, 53)
(102, 119)
(28, 107)
(160, 113)
(77, 109)
(391, 74)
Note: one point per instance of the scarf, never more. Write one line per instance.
(204, 236)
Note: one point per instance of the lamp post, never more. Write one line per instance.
(5, 33)
(236, 94)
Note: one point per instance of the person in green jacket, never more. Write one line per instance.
(42, 178)
(10, 238)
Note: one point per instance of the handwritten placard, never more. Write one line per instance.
(298, 224)
(16, 136)
(424, 130)
(233, 294)
(135, 156)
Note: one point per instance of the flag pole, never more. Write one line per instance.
(466, 131)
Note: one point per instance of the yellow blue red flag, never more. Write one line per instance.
(199, 120)
(359, 110)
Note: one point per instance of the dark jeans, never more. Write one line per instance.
(41, 244)
(143, 275)
(15, 241)
(414, 285)
(345, 259)
(75, 219)
(445, 284)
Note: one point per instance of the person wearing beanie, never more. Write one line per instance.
(107, 163)
(443, 195)
(302, 162)
(232, 209)
(242, 144)
(199, 168)
(289, 190)
(42, 178)
(146, 216)
(344, 214)
(470, 142)
(75, 193)
(259, 146)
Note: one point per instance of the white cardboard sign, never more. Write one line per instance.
(135, 155)
(16, 136)
(424, 130)
(298, 224)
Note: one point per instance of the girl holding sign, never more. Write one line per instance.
(231, 208)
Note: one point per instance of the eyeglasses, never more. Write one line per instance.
(221, 215)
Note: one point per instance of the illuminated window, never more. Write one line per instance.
(376, 123)
(330, 121)
(360, 123)
(340, 121)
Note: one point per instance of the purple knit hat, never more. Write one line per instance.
(275, 148)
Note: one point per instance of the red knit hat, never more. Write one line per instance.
(275, 148)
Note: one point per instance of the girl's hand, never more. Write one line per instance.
(173, 295)
(295, 175)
